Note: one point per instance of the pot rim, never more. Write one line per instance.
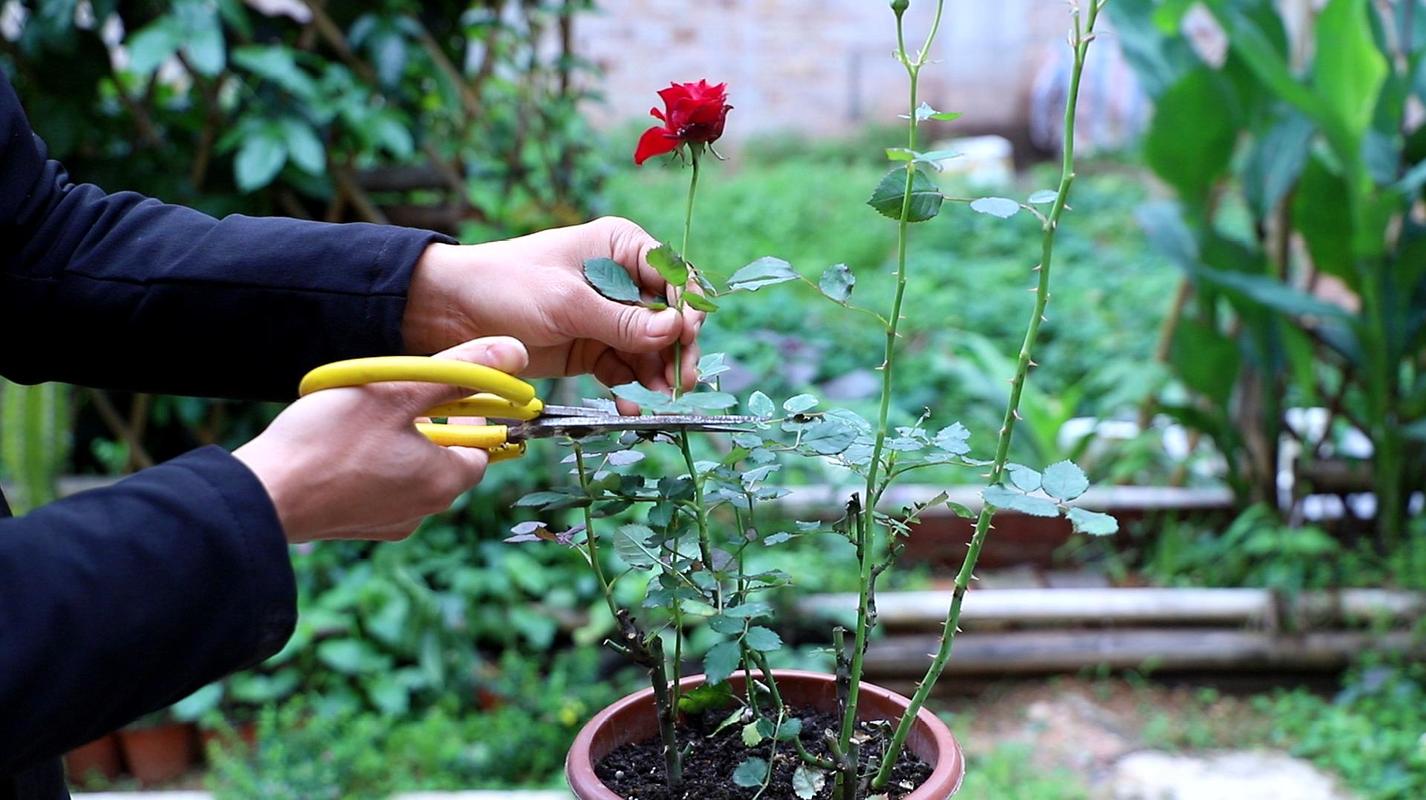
(950, 763)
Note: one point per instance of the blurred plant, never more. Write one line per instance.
(1305, 264)
(37, 425)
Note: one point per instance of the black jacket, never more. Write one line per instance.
(117, 602)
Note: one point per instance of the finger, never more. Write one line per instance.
(633, 329)
(689, 357)
(612, 370)
(650, 369)
(692, 319)
(500, 352)
(629, 245)
(468, 465)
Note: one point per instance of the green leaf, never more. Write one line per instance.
(954, 439)
(837, 282)
(700, 302)
(153, 45)
(765, 271)
(828, 437)
(631, 543)
(202, 36)
(1191, 136)
(1317, 214)
(1275, 161)
(1064, 480)
(1008, 500)
(752, 772)
(709, 401)
(711, 365)
(807, 781)
(352, 656)
(1092, 522)
(1043, 196)
(925, 112)
(642, 396)
(195, 705)
(277, 64)
(763, 640)
(799, 404)
(1348, 69)
(1023, 478)
(749, 610)
(752, 737)
(890, 194)
(774, 539)
(721, 661)
(1205, 360)
(760, 405)
(609, 278)
(669, 265)
(259, 159)
(706, 698)
(1002, 207)
(900, 154)
(390, 132)
(303, 146)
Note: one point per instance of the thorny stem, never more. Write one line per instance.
(631, 641)
(679, 303)
(866, 530)
(761, 660)
(1083, 34)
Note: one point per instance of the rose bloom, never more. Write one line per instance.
(693, 114)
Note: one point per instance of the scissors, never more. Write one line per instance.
(515, 413)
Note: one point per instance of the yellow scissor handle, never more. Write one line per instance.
(498, 394)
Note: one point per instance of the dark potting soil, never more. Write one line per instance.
(636, 771)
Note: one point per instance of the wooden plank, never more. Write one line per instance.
(1260, 608)
(1039, 652)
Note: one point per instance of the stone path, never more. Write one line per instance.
(1240, 775)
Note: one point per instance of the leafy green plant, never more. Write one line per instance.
(695, 580)
(1305, 266)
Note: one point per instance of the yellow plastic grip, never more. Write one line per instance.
(361, 371)
(488, 405)
(485, 437)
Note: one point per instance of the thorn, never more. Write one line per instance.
(1037, 268)
(1033, 289)
(1032, 362)
(958, 629)
(1016, 412)
(975, 577)
(1044, 318)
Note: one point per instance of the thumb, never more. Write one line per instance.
(634, 329)
(498, 352)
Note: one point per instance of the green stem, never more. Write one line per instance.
(866, 531)
(705, 548)
(1082, 37)
(678, 304)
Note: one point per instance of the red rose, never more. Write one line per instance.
(694, 114)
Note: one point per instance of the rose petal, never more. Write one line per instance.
(655, 142)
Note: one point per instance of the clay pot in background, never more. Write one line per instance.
(160, 752)
(97, 758)
(633, 719)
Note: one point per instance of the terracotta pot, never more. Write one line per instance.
(99, 757)
(633, 719)
(158, 753)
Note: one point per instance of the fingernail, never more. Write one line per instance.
(502, 354)
(662, 324)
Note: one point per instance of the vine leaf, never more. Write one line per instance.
(837, 282)
(720, 662)
(1002, 207)
(766, 271)
(609, 278)
(889, 196)
(1065, 481)
(1092, 522)
(752, 772)
(1003, 498)
(669, 265)
(828, 438)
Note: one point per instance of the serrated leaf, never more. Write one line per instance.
(828, 438)
(706, 698)
(712, 365)
(624, 458)
(1043, 196)
(799, 403)
(700, 302)
(752, 772)
(900, 154)
(1064, 480)
(889, 196)
(775, 539)
(752, 737)
(721, 661)
(763, 640)
(1022, 477)
(609, 278)
(750, 610)
(709, 401)
(732, 718)
(1008, 500)
(1002, 207)
(669, 265)
(631, 543)
(1092, 522)
(807, 781)
(760, 405)
(837, 282)
(765, 271)
(954, 439)
(642, 395)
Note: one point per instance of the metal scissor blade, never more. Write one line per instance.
(608, 423)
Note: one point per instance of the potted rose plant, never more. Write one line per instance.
(742, 729)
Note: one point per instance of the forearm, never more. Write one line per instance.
(120, 601)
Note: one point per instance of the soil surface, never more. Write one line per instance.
(636, 771)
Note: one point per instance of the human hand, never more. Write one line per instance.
(533, 288)
(349, 464)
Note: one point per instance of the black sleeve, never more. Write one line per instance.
(119, 601)
(122, 291)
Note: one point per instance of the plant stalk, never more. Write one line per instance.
(1082, 37)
